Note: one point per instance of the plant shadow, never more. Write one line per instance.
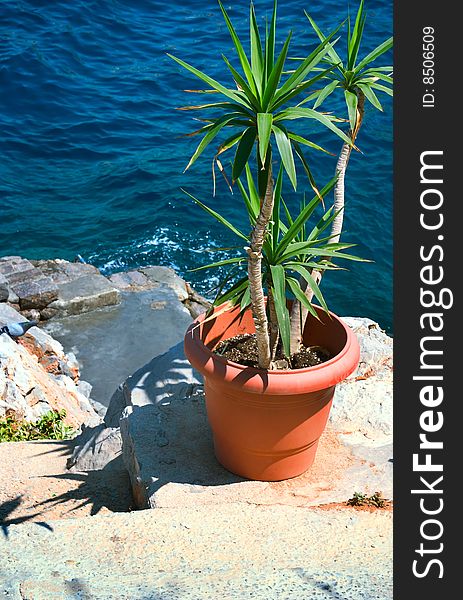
(168, 444)
(9, 507)
(107, 488)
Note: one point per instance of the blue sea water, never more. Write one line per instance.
(92, 146)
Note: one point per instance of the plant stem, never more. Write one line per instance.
(299, 313)
(255, 270)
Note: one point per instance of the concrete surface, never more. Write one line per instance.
(232, 552)
(36, 485)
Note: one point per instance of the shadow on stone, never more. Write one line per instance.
(165, 377)
(170, 446)
(106, 488)
(7, 508)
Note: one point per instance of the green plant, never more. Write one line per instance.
(357, 79)
(282, 255)
(51, 426)
(376, 500)
(261, 109)
(290, 250)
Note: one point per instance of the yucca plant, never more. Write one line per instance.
(357, 79)
(290, 252)
(260, 109)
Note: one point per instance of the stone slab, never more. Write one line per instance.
(131, 281)
(97, 448)
(111, 343)
(167, 276)
(35, 292)
(4, 288)
(85, 294)
(12, 266)
(63, 271)
(168, 451)
(363, 403)
(165, 377)
(9, 315)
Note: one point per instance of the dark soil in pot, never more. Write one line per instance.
(242, 349)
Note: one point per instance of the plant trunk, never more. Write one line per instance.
(299, 312)
(255, 271)
(274, 330)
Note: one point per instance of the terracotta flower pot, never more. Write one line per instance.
(266, 424)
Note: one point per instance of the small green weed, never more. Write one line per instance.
(359, 499)
(50, 426)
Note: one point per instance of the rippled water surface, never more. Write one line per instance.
(92, 153)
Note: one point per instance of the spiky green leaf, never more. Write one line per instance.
(378, 51)
(257, 55)
(211, 82)
(307, 276)
(370, 95)
(264, 129)
(300, 296)
(240, 50)
(220, 263)
(243, 151)
(327, 90)
(217, 216)
(279, 296)
(308, 113)
(351, 102)
(286, 152)
(334, 56)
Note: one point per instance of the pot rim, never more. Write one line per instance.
(331, 371)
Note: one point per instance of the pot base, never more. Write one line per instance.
(269, 466)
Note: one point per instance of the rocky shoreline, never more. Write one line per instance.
(44, 289)
(36, 374)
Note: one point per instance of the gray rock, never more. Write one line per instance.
(13, 298)
(376, 348)
(363, 403)
(364, 409)
(167, 276)
(116, 406)
(4, 289)
(131, 281)
(9, 315)
(84, 388)
(85, 294)
(13, 267)
(196, 309)
(36, 293)
(48, 313)
(112, 343)
(28, 384)
(63, 271)
(38, 410)
(169, 376)
(168, 450)
(99, 408)
(166, 377)
(32, 314)
(97, 448)
(12, 400)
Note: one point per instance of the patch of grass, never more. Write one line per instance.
(50, 426)
(359, 499)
